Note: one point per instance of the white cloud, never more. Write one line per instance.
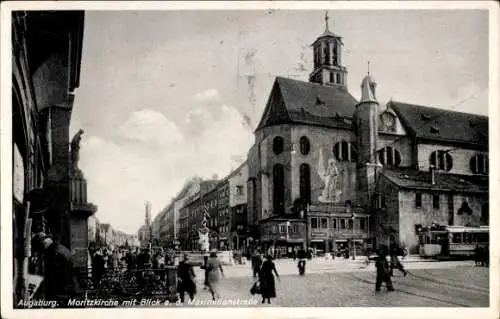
(123, 174)
(207, 95)
(149, 126)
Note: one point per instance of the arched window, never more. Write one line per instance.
(335, 53)
(278, 144)
(338, 78)
(441, 160)
(345, 151)
(305, 146)
(485, 213)
(278, 189)
(305, 183)
(326, 54)
(479, 164)
(389, 156)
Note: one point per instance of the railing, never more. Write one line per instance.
(129, 283)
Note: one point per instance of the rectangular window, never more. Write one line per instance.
(450, 210)
(418, 200)
(382, 202)
(334, 223)
(435, 201)
(314, 222)
(362, 223)
(351, 222)
(282, 229)
(342, 223)
(295, 228)
(324, 223)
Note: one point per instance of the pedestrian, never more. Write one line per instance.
(185, 279)
(205, 267)
(395, 263)
(214, 266)
(60, 282)
(115, 259)
(97, 268)
(266, 279)
(383, 271)
(256, 263)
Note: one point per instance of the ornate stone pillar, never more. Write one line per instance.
(80, 208)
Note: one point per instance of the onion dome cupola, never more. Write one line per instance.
(328, 69)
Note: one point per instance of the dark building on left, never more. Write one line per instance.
(46, 59)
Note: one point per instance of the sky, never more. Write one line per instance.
(167, 95)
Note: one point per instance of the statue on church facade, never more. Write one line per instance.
(329, 175)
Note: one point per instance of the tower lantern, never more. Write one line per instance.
(327, 50)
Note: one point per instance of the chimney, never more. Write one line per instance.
(432, 170)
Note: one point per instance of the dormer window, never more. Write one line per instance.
(389, 156)
(319, 101)
(441, 160)
(479, 164)
(434, 130)
(425, 117)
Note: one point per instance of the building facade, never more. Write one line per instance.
(223, 216)
(238, 207)
(46, 58)
(332, 172)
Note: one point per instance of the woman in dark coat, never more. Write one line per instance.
(266, 278)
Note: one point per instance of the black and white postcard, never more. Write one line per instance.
(249, 159)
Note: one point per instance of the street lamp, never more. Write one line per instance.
(353, 216)
(305, 215)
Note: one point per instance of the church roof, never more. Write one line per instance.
(430, 123)
(408, 178)
(293, 101)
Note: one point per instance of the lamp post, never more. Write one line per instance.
(305, 213)
(353, 216)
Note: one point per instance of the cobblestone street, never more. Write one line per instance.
(439, 285)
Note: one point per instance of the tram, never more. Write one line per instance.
(452, 241)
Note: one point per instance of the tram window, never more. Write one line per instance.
(457, 238)
(434, 239)
(466, 238)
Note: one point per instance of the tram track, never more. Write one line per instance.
(448, 283)
(450, 302)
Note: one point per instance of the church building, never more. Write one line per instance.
(331, 171)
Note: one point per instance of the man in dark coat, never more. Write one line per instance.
(383, 270)
(185, 278)
(60, 282)
(256, 263)
(98, 268)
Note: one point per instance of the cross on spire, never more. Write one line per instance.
(368, 67)
(326, 21)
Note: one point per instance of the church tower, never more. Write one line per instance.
(328, 69)
(366, 124)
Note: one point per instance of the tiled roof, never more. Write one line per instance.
(414, 179)
(309, 103)
(436, 124)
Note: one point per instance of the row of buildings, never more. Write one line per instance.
(330, 171)
(104, 235)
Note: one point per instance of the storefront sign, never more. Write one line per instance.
(18, 175)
